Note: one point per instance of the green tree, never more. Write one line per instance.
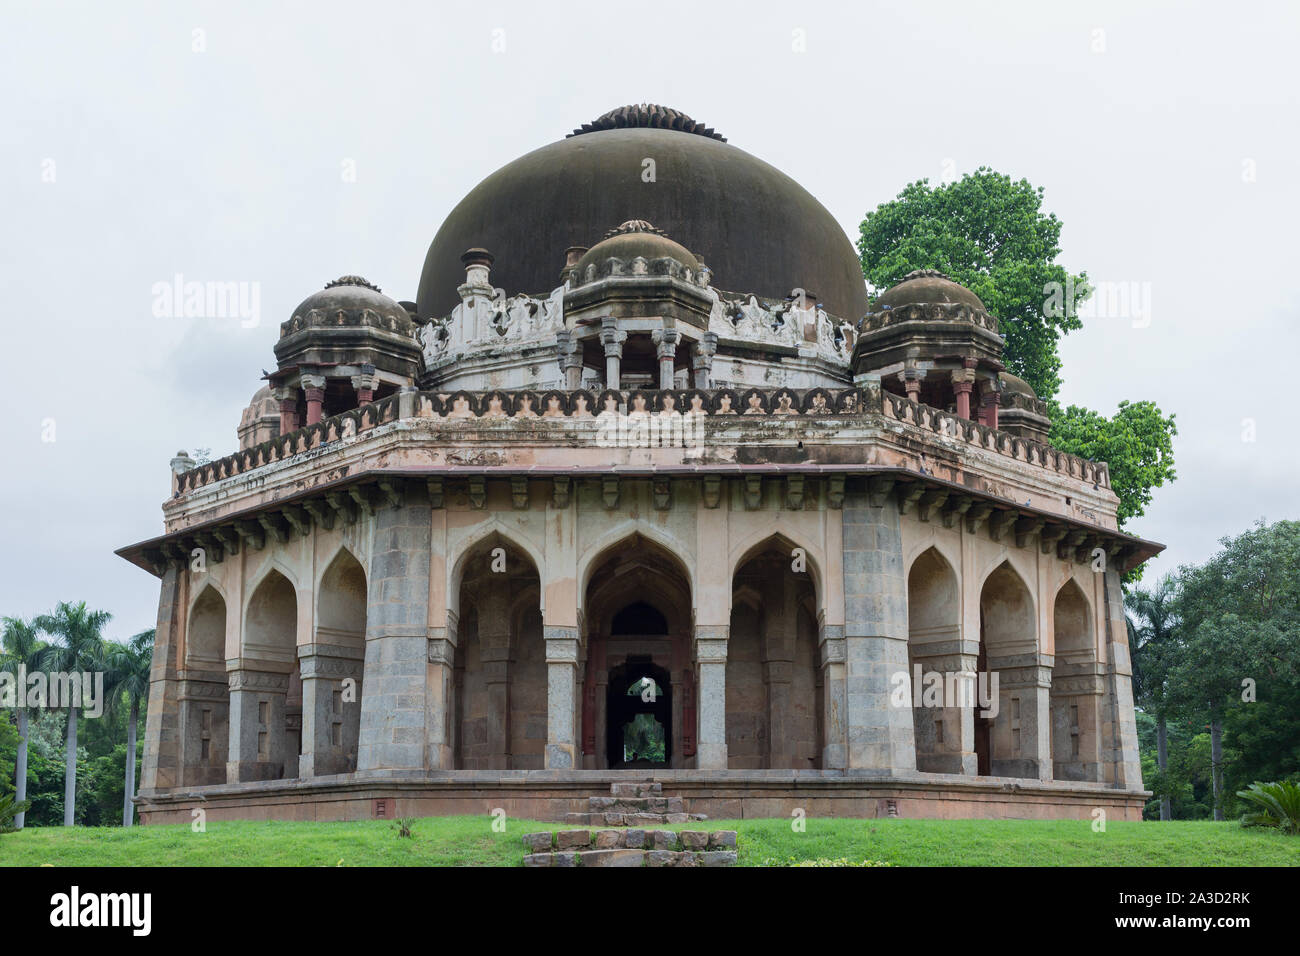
(1137, 442)
(1240, 616)
(1153, 645)
(20, 647)
(80, 650)
(990, 233)
(128, 676)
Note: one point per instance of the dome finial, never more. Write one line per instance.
(648, 116)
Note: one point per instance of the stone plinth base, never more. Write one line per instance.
(721, 794)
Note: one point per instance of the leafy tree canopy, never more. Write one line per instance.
(990, 233)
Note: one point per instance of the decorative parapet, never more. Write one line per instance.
(928, 312)
(324, 432)
(767, 322)
(491, 321)
(897, 408)
(786, 404)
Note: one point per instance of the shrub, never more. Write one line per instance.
(1277, 805)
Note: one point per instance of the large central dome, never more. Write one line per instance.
(755, 227)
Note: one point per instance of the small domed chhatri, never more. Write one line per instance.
(460, 536)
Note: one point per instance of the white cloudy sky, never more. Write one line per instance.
(225, 165)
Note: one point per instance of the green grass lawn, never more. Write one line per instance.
(470, 841)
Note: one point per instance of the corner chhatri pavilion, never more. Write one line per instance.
(579, 516)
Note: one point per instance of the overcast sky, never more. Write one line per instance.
(136, 149)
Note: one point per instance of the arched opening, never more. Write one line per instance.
(1077, 688)
(1006, 743)
(774, 682)
(638, 628)
(947, 668)
(639, 729)
(500, 668)
(205, 694)
(266, 717)
(332, 668)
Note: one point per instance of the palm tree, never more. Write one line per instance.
(82, 651)
(20, 647)
(1154, 650)
(128, 681)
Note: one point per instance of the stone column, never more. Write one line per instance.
(394, 717)
(1126, 768)
(205, 727)
(989, 407)
(702, 359)
(612, 338)
(493, 601)
(441, 687)
(952, 749)
(365, 384)
(911, 381)
(288, 398)
(313, 385)
(162, 739)
(963, 382)
(570, 358)
(330, 708)
(665, 341)
(258, 738)
(561, 687)
(834, 706)
(1022, 730)
(711, 663)
(880, 735)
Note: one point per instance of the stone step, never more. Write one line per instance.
(636, 789)
(635, 804)
(631, 847)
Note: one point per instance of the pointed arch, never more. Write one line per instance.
(629, 532)
(271, 619)
(1077, 687)
(486, 536)
(341, 601)
(205, 639)
(774, 681)
(935, 646)
(765, 540)
(1007, 609)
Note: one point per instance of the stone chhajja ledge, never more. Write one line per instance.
(782, 403)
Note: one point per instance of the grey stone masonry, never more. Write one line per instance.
(1122, 724)
(880, 736)
(395, 708)
(633, 805)
(162, 740)
(631, 848)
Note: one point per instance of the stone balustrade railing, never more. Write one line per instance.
(781, 403)
(897, 408)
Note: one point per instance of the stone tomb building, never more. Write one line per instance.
(578, 515)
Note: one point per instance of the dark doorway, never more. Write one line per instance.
(983, 725)
(639, 715)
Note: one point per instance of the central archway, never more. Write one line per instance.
(639, 727)
(638, 628)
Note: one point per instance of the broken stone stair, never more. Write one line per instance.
(633, 805)
(631, 846)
